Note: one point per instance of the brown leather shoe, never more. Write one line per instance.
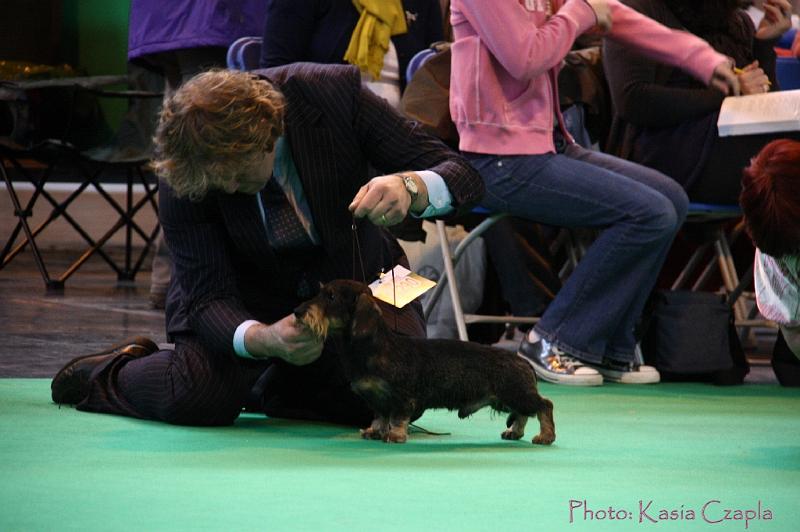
(71, 383)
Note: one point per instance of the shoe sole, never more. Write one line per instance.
(569, 380)
(630, 377)
(140, 341)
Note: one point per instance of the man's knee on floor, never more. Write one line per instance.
(203, 407)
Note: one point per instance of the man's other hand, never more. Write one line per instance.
(287, 338)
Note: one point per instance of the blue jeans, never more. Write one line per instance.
(638, 210)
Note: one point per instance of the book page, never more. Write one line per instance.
(760, 113)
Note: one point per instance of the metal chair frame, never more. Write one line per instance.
(52, 155)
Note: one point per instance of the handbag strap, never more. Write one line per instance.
(744, 282)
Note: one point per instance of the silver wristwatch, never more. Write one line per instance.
(411, 187)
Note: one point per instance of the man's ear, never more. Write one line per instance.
(365, 316)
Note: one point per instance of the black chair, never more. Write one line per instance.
(37, 155)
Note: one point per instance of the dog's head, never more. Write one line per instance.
(340, 306)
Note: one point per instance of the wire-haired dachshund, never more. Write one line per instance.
(400, 377)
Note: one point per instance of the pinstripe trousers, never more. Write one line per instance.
(191, 385)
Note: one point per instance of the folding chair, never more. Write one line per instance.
(53, 156)
(449, 278)
(718, 217)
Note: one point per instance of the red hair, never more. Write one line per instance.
(770, 198)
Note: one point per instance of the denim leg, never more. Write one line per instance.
(638, 212)
(621, 342)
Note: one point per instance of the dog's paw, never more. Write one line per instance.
(511, 434)
(371, 434)
(543, 439)
(395, 437)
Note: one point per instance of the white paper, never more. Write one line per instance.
(760, 113)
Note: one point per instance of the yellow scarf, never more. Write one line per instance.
(380, 19)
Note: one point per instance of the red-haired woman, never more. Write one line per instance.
(771, 202)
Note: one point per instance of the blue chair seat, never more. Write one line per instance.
(787, 70)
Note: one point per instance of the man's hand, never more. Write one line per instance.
(777, 19)
(287, 338)
(602, 13)
(725, 80)
(385, 201)
(753, 80)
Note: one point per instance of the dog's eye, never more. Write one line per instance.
(331, 296)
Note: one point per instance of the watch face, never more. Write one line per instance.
(411, 185)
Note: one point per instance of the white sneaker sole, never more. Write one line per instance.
(591, 379)
(644, 375)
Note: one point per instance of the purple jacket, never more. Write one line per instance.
(159, 26)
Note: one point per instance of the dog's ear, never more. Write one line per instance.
(365, 316)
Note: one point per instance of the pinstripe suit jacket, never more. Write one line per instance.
(225, 270)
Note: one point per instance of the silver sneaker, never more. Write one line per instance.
(554, 365)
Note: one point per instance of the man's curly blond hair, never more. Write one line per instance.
(213, 128)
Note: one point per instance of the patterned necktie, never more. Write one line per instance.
(284, 228)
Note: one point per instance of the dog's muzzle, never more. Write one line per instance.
(314, 318)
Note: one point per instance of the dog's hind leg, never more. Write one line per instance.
(516, 427)
(378, 429)
(530, 403)
(547, 427)
(398, 431)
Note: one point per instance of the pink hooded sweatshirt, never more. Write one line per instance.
(506, 58)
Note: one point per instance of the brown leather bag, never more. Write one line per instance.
(427, 96)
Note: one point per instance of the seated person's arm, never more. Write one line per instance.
(679, 49)
(641, 98)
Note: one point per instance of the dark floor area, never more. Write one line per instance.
(40, 331)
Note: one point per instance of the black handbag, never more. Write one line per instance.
(690, 336)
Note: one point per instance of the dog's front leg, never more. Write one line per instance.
(378, 429)
(398, 430)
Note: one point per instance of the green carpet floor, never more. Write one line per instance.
(674, 447)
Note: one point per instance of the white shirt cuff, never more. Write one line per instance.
(238, 339)
(440, 201)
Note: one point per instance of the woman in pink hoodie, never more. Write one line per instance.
(504, 101)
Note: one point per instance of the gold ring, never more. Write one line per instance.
(383, 219)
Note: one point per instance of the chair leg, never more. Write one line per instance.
(51, 285)
(729, 275)
(449, 274)
(687, 270)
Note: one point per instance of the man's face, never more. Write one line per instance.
(253, 178)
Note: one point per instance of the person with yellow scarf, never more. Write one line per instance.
(378, 21)
(378, 36)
